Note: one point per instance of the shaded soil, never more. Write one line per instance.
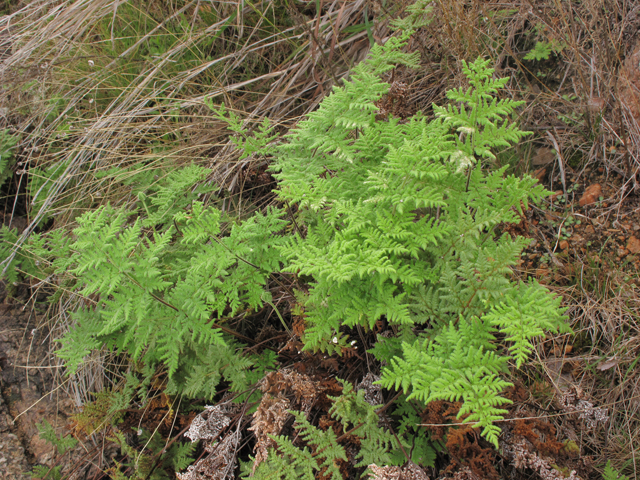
(30, 392)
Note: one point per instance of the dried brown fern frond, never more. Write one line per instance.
(283, 390)
(208, 424)
(410, 471)
(219, 464)
(288, 382)
(269, 418)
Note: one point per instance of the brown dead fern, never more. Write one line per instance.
(283, 390)
(410, 471)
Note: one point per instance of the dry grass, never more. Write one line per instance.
(92, 99)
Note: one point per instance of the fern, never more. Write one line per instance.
(401, 221)
(8, 143)
(153, 461)
(48, 433)
(62, 443)
(543, 50)
(22, 262)
(611, 473)
(354, 412)
(45, 473)
(323, 452)
(422, 448)
(396, 220)
(258, 143)
(300, 463)
(159, 275)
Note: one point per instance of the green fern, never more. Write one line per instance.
(359, 418)
(354, 412)
(62, 443)
(22, 264)
(422, 448)
(401, 222)
(159, 276)
(154, 460)
(8, 143)
(544, 49)
(611, 473)
(293, 463)
(395, 219)
(46, 473)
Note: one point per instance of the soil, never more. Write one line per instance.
(30, 392)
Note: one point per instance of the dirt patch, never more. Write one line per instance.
(30, 393)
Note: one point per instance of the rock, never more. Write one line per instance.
(629, 83)
(540, 173)
(26, 384)
(591, 195)
(13, 463)
(633, 245)
(543, 156)
(596, 104)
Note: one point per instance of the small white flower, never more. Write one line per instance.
(91, 100)
(335, 339)
(91, 64)
(353, 343)
(462, 160)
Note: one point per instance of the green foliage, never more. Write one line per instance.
(294, 463)
(418, 16)
(395, 219)
(200, 373)
(421, 448)
(155, 460)
(544, 49)
(45, 473)
(484, 123)
(62, 444)
(459, 365)
(249, 144)
(611, 473)
(22, 262)
(524, 314)
(48, 433)
(42, 182)
(357, 417)
(400, 220)
(158, 280)
(376, 444)
(8, 143)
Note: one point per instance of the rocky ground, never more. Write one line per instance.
(29, 392)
